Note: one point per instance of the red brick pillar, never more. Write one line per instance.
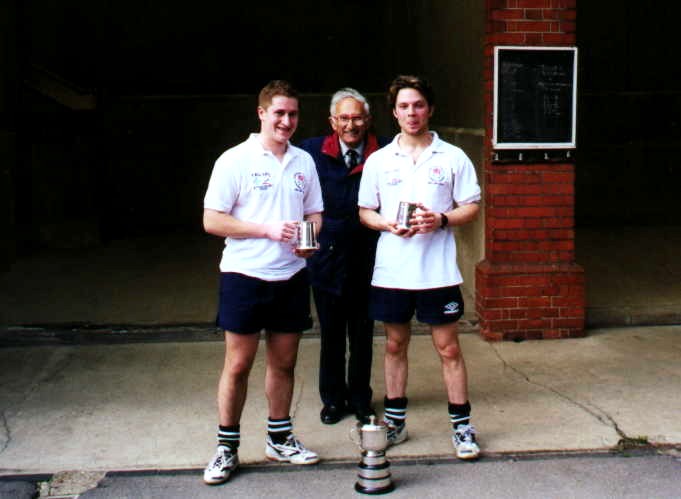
(528, 286)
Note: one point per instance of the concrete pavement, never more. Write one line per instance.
(151, 406)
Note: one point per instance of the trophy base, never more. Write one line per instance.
(363, 489)
(374, 478)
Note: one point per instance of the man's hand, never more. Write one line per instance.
(401, 231)
(372, 219)
(284, 232)
(304, 253)
(424, 220)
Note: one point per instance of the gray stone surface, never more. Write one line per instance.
(149, 406)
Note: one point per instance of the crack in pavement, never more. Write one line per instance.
(594, 411)
(7, 433)
(52, 367)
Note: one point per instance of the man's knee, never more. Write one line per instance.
(240, 351)
(450, 352)
(396, 345)
(279, 368)
(239, 368)
(283, 346)
(282, 361)
(286, 370)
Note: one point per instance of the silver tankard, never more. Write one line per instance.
(374, 469)
(306, 237)
(405, 211)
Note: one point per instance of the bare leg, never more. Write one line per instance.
(282, 353)
(396, 360)
(240, 350)
(446, 342)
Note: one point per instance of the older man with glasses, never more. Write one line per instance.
(340, 271)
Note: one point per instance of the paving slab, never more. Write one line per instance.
(152, 405)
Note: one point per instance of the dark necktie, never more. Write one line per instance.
(352, 158)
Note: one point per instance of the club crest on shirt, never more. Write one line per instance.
(299, 180)
(436, 175)
(261, 180)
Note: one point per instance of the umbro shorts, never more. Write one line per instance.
(248, 305)
(432, 306)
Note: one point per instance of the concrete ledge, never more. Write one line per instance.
(91, 334)
(73, 334)
(633, 315)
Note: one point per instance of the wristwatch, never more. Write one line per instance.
(444, 221)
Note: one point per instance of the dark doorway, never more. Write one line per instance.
(628, 219)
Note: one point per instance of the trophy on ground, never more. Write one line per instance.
(374, 469)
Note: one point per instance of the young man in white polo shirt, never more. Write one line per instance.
(258, 191)
(416, 268)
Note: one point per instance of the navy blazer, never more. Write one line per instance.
(347, 250)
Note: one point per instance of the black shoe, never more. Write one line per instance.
(362, 413)
(331, 414)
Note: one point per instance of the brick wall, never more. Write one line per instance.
(531, 22)
(529, 285)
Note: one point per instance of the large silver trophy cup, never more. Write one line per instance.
(374, 469)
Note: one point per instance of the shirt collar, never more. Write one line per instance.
(345, 149)
(254, 141)
(435, 145)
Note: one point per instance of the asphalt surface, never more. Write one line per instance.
(646, 473)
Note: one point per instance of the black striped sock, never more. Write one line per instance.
(459, 414)
(229, 436)
(395, 410)
(279, 429)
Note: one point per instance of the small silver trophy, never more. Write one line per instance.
(306, 238)
(374, 469)
(405, 210)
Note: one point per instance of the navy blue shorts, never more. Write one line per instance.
(432, 306)
(248, 305)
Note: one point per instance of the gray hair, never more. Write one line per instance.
(344, 93)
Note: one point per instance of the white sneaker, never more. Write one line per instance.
(292, 451)
(219, 468)
(464, 442)
(396, 434)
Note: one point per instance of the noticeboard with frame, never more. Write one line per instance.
(535, 97)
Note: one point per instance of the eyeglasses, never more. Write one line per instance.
(344, 119)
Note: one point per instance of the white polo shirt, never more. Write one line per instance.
(443, 175)
(251, 184)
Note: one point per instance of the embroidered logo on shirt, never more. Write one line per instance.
(392, 176)
(451, 308)
(299, 179)
(436, 175)
(261, 181)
